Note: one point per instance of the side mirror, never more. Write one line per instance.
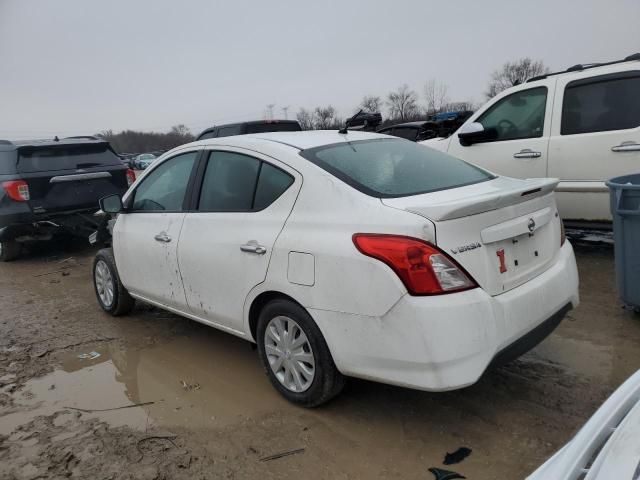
(475, 132)
(111, 204)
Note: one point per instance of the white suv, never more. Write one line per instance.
(343, 254)
(581, 126)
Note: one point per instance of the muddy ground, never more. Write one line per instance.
(206, 409)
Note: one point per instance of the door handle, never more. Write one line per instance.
(527, 153)
(162, 237)
(253, 247)
(626, 147)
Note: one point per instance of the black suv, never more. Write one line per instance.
(53, 186)
(257, 126)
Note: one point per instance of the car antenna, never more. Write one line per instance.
(348, 123)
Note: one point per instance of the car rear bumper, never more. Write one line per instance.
(25, 224)
(447, 342)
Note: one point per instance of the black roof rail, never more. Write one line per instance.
(83, 137)
(584, 66)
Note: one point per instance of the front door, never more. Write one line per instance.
(596, 137)
(520, 148)
(225, 246)
(145, 237)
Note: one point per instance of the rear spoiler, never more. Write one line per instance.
(508, 192)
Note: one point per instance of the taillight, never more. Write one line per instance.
(131, 177)
(422, 267)
(17, 190)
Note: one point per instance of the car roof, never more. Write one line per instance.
(298, 140)
(10, 145)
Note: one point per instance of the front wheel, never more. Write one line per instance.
(295, 355)
(111, 294)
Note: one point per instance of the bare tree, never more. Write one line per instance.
(514, 73)
(305, 119)
(180, 130)
(403, 103)
(458, 106)
(324, 117)
(435, 94)
(371, 103)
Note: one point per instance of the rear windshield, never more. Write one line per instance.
(387, 168)
(62, 158)
(273, 127)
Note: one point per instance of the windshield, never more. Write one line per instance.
(388, 168)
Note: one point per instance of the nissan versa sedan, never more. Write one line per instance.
(343, 254)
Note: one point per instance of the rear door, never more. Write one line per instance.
(522, 125)
(145, 237)
(70, 177)
(225, 246)
(596, 136)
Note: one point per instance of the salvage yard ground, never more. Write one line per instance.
(153, 395)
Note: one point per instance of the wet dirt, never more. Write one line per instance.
(152, 395)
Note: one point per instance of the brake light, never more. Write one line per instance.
(131, 177)
(17, 190)
(423, 268)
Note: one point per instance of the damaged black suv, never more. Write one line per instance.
(53, 186)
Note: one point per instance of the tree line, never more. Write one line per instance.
(401, 105)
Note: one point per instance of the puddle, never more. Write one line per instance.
(579, 356)
(231, 385)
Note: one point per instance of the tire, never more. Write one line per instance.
(303, 389)
(116, 300)
(9, 250)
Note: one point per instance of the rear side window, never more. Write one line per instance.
(409, 133)
(238, 183)
(273, 127)
(387, 168)
(601, 104)
(519, 115)
(165, 187)
(59, 158)
(228, 131)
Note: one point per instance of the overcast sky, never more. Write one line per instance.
(82, 66)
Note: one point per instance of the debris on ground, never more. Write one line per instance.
(445, 474)
(189, 386)
(282, 454)
(457, 456)
(89, 356)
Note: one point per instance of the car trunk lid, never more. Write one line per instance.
(70, 177)
(503, 232)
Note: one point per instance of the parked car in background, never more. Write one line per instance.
(439, 125)
(243, 128)
(143, 160)
(416, 269)
(581, 125)
(53, 186)
(607, 447)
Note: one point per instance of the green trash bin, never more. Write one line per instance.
(625, 207)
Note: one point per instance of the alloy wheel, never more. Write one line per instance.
(104, 283)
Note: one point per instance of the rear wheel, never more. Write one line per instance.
(295, 355)
(111, 294)
(9, 250)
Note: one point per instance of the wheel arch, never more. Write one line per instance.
(258, 304)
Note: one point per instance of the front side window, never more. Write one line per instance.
(238, 183)
(165, 187)
(601, 104)
(519, 115)
(386, 168)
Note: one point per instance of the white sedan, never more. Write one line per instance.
(343, 254)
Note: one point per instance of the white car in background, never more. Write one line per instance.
(343, 254)
(608, 445)
(581, 126)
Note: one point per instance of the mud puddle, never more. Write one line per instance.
(193, 382)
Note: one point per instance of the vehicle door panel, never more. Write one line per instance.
(511, 155)
(146, 235)
(596, 136)
(218, 257)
